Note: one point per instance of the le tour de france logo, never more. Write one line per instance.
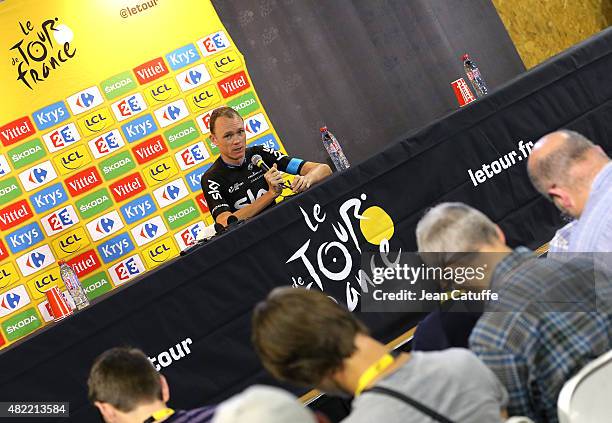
(41, 50)
(374, 225)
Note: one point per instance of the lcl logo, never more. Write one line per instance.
(159, 170)
(160, 253)
(162, 92)
(71, 244)
(97, 120)
(42, 284)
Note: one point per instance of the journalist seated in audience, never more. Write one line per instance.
(126, 388)
(576, 176)
(305, 338)
(545, 325)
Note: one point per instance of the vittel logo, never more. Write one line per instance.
(104, 225)
(150, 70)
(171, 113)
(15, 214)
(115, 248)
(182, 57)
(85, 100)
(170, 193)
(51, 115)
(105, 144)
(233, 84)
(126, 269)
(37, 176)
(192, 155)
(24, 238)
(35, 260)
(13, 300)
(150, 149)
(85, 263)
(61, 137)
(127, 187)
(138, 209)
(193, 77)
(189, 236)
(59, 220)
(128, 107)
(16, 130)
(83, 181)
(213, 43)
(149, 230)
(139, 128)
(255, 125)
(48, 198)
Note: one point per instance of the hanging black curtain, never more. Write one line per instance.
(372, 70)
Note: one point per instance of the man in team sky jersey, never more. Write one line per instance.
(234, 186)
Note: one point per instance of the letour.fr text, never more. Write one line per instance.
(489, 170)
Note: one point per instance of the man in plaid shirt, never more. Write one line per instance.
(546, 324)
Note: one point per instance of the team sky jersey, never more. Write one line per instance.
(228, 188)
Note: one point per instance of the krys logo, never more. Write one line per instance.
(104, 225)
(24, 238)
(182, 57)
(149, 230)
(35, 260)
(115, 248)
(106, 143)
(139, 128)
(48, 198)
(160, 171)
(170, 193)
(37, 176)
(126, 269)
(13, 300)
(85, 100)
(194, 178)
(70, 243)
(331, 260)
(193, 77)
(72, 159)
(59, 220)
(41, 51)
(160, 252)
(61, 137)
(138, 209)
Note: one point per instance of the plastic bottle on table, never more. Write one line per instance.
(73, 285)
(473, 74)
(334, 149)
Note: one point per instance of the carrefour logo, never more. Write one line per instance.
(13, 300)
(139, 128)
(149, 230)
(171, 113)
(35, 260)
(115, 248)
(24, 238)
(104, 225)
(37, 176)
(255, 125)
(138, 209)
(61, 137)
(85, 100)
(170, 193)
(193, 77)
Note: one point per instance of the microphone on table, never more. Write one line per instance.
(258, 161)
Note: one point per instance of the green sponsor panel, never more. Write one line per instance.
(94, 203)
(9, 190)
(182, 134)
(118, 85)
(245, 104)
(21, 324)
(27, 153)
(182, 214)
(212, 147)
(96, 285)
(117, 165)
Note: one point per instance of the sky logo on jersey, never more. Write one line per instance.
(94, 203)
(49, 198)
(13, 300)
(129, 107)
(22, 324)
(182, 57)
(149, 230)
(268, 141)
(160, 252)
(118, 85)
(35, 260)
(160, 171)
(24, 238)
(85, 100)
(204, 121)
(71, 242)
(150, 70)
(245, 104)
(193, 77)
(27, 153)
(44, 282)
(104, 225)
(59, 220)
(14, 214)
(106, 143)
(8, 275)
(96, 122)
(150, 149)
(189, 236)
(85, 263)
(37, 176)
(255, 125)
(5, 169)
(126, 270)
(204, 98)
(213, 43)
(51, 115)
(171, 193)
(194, 178)
(233, 84)
(9, 190)
(181, 214)
(224, 63)
(16, 130)
(127, 187)
(171, 113)
(138, 209)
(115, 248)
(83, 181)
(139, 128)
(181, 134)
(162, 91)
(192, 155)
(72, 160)
(117, 165)
(61, 137)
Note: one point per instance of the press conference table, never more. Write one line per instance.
(192, 314)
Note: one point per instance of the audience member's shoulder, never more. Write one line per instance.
(459, 359)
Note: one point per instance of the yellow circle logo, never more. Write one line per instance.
(376, 225)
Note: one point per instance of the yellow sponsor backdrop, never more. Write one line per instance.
(103, 139)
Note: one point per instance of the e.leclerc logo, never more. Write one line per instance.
(189, 236)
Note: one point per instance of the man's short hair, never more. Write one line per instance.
(554, 167)
(301, 336)
(452, 230)
(124, 378)
(224, 111)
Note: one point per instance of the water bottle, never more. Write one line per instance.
(473, 74)
(73, 285)
(334, 150)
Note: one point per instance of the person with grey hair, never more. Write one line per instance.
(532, 352)
(576, 175)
